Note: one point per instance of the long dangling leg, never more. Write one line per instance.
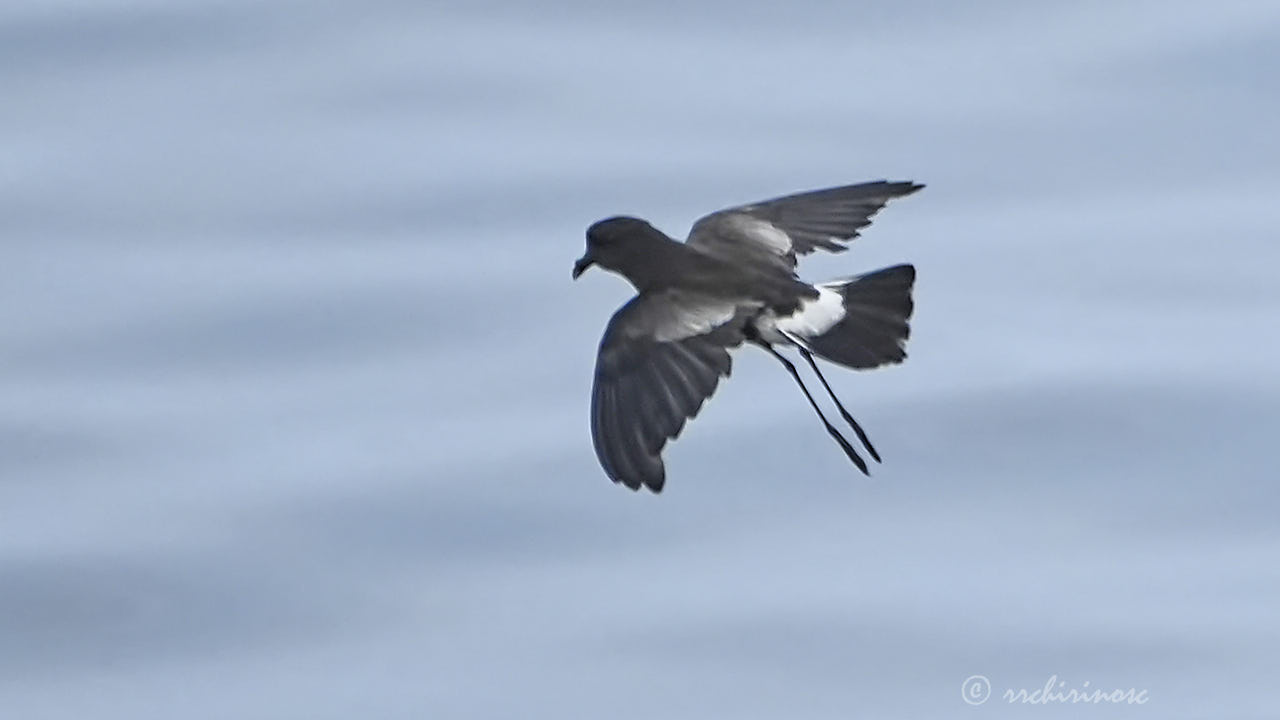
(831, 430)
(844, 413)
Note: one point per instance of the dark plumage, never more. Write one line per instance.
(733, 280)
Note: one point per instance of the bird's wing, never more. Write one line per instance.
(774, 232)
(661, 357)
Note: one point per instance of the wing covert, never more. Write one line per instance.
(774, 232)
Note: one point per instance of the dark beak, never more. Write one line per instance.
(581, 266)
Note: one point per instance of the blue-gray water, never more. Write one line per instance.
(294, 382)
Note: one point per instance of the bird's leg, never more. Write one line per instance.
(831, 430)
(845, 413)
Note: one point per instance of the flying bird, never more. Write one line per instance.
(734, 281)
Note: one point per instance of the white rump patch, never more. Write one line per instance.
(815, 317)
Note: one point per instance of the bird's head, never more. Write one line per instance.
(612, 242)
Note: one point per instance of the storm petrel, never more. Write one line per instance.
(734, 281)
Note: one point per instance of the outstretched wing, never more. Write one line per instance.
(661, 357)
(774, 232)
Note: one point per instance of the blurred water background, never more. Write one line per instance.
(294, 382)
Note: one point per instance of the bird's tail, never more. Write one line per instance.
(874, 327)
